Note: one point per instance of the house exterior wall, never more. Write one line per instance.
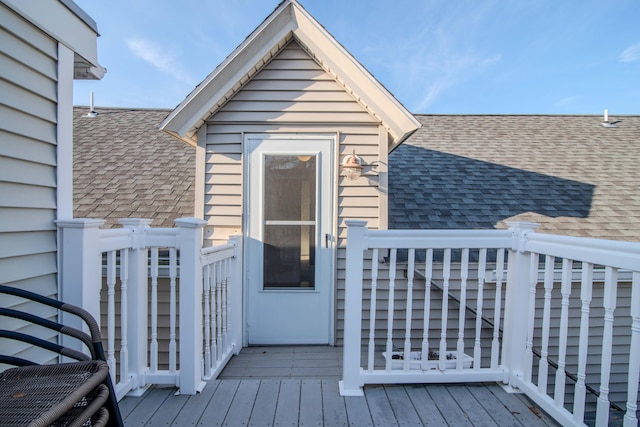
(28, 159)
(44, 45)
(293, 94)
(28, 155)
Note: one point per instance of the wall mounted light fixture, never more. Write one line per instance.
(352, 166)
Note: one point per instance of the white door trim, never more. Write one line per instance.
(326, 210)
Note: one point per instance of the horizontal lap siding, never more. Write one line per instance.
(28, 111)
(292, 94)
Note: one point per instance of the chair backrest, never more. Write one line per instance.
(92, 341)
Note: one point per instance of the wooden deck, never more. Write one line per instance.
(291, 386)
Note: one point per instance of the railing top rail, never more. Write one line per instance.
(114, 232)
(161, 237)
(115, 239)
(217, 248)
(438, 239)
(623, 255)
(217, 253)
(162, 231)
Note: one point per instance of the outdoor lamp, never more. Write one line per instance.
(352, 166)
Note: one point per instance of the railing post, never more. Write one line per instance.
(137, 298)
(351, 384)
(80, 274)
(191, 329)
(237, 309)
(516, 304)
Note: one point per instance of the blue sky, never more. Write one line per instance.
(435, 56)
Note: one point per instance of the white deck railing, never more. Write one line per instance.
(449, 292)
(190, 295)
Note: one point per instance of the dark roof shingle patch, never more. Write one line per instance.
(568, 173)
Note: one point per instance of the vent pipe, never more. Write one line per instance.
(92, 112)
(606, 123)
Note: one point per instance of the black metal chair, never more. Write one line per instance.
(65, 394)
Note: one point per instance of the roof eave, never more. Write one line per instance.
(361, 83)
(229, 75)
(289, 20)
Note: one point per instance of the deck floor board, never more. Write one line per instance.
(264, 408)
(298, 386)
(334, 410)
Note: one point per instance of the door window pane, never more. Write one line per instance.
(289, 256)
(289, 188)
(289, 228)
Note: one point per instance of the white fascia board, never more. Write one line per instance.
(59, 22)
(338, 61)
(229, 75)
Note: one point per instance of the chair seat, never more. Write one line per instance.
(39, 395)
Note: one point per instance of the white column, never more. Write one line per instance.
(64, 134)
(351, 384)
(80, 272)
(191, 361)
(516, 303)
(137, 315)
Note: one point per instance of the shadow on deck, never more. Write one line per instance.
(276, 386)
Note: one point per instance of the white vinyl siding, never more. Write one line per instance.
(292, 94)
(28, 126)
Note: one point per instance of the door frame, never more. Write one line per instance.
(333, 209)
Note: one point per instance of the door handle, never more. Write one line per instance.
(327, 240)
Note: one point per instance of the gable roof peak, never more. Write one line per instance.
(289, 20)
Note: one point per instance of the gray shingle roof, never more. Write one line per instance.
(568, 173)
(124, 167)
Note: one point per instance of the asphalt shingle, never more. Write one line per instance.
(568, 173)
(124, 167)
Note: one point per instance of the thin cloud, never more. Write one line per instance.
(631, 54)
(451, 69)
(161, 60)
(444, 55)
(567, 101)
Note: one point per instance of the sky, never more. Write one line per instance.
(434, 56)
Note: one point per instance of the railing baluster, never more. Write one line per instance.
(428, 275)
(565, 290)
(207, 320)
(225, 303)
(409, 309)
(446, 276)
(609, 303)
(214, 315)
(391, 308)
(482, 267)
(372, 309)
(497, 315)
(543, 367)
(464, 275)
(630, 418)
(173, 273)
(219, 321)
(533, 283)
(154, 310)
(124, 300)
(111, 312)
(586, 287)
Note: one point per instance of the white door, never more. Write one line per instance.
(289, 251)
